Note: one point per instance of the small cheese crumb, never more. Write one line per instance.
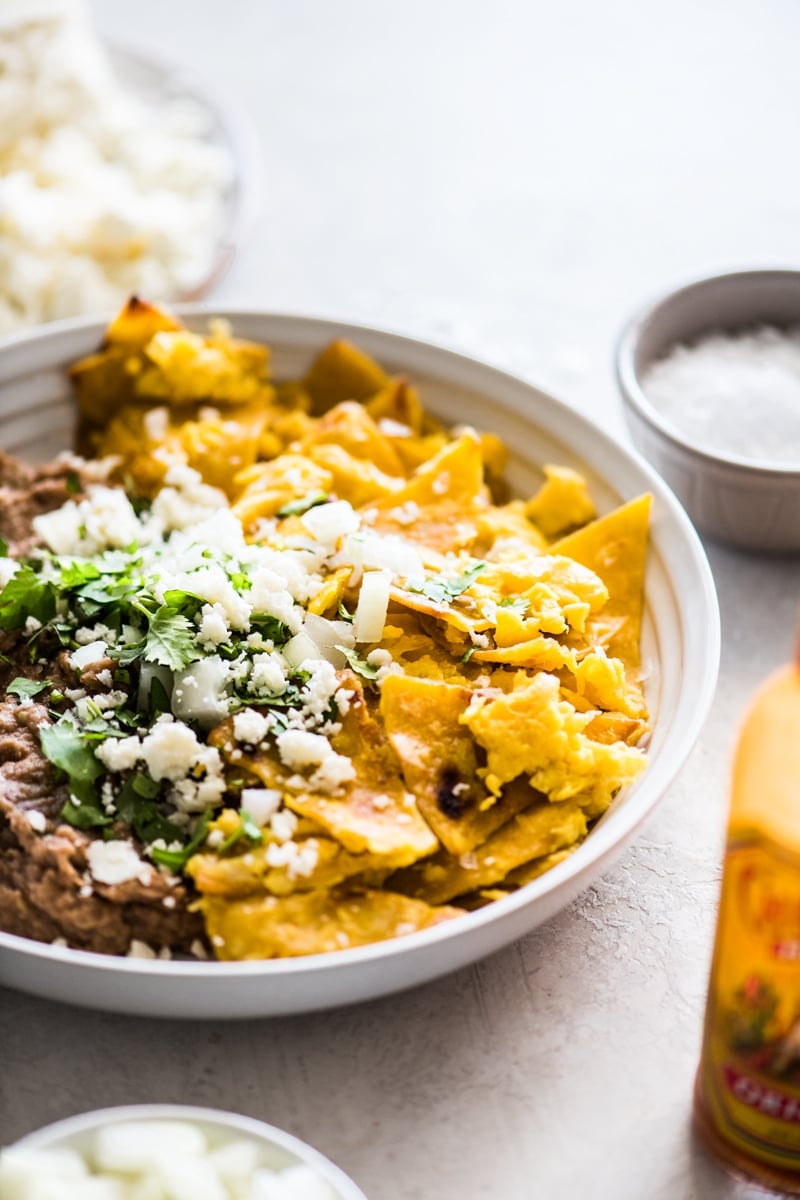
(113, 862)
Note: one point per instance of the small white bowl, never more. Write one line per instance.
(750, 504)
(280, 1149)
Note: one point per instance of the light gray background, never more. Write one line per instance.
(511, 178)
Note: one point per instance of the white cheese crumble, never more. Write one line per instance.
(261, 803)
(104, 520)
(113, 862)
(250, 726)
(37, 820)
(171, 751)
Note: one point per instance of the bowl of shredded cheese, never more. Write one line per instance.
(159, 1150)
(120, 173)
(710, 379)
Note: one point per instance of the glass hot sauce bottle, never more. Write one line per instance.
(747, 1094)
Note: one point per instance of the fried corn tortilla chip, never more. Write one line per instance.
(313, 922)
(615, 548)
(540, 830)
(246, 874)
(343, 372)
(440, 765)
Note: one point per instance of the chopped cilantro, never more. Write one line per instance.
(26, 595)
(467, 655)
(66, 748)
(246, 828)
(26, 687)
(169, 640)
(73, 574)
(137, 806)
(176, 860)
(270, 628)
(358, 663)
(519, 604)
(296, 508)
(344, 614)
(73, 483)
(3, 547)
(442, 591)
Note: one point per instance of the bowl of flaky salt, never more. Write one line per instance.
(710, 379)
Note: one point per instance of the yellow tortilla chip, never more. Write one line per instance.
(562, 502)
(540, 830)
(313, 922)
(246, 874)
(350, 426)
(438, 507)
(439, 762)
(342, 372)
(615, 548)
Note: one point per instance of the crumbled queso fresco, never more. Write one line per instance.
(199, 625)
(100, 196)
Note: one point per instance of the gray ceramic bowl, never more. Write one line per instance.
(753, 505)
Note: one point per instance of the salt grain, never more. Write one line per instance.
(734, 394)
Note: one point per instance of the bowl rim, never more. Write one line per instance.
(56, 1133)
(578, 865)
(635, 397)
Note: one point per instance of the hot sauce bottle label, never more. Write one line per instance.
(750, 1068)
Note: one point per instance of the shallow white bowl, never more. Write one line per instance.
(280, 1149)
(680, 646)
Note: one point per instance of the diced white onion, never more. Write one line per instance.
(148, 673)
(134, 1145)
(373, 603)
(92, 653)
(198, 692)
(328, 635)
(393, 554)
(329, 522)
(299, 648)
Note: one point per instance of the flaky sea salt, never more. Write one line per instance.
(734, 394)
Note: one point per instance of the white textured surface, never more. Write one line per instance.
(512, 178)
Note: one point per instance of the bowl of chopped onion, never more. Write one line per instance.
(168, 1150)
(710, 381)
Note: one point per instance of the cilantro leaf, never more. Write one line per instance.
(246, 828)
(26, 687)
(467, 655)
(176, 860)
(73, 483)
(169, 640)
(65, 747)
(358, 663)
(296, 508)
(3, 548)
(73, 574)
(26, 595)
(344, 613)
(519, 604)
(442, 591)
(137, 806)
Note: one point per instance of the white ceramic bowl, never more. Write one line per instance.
(680, 645)
(754, 505)
(280, 1149)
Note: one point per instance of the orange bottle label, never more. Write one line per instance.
(750, 1067)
